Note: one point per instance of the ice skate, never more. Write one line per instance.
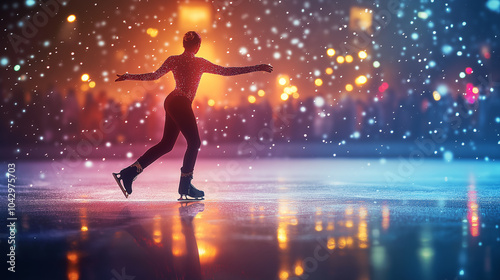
(187, 191)
(126, 176)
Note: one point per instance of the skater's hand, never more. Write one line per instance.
(265, 67)
(121, 77)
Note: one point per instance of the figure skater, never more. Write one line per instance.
(179, 117)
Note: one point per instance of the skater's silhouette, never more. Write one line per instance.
(187, 70)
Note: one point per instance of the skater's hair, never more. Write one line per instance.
(191, 41)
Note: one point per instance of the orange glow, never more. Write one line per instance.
(362, 54)
(195, 15)
(283, 80)
(206, 252)
(298, 269)
(349, 87)
(475, 90)
(385, 217)
(71, 18)
(330, 226)
(284, 275)
(340, 59)
(361, 80)
(211, 102)
(92, 84)
(293, 89)
(288, 90)
(153, 32)
(330, 52)
(252, 99)
(85, 77)
(473, 211)
(436, 95)
(284, 96)
(157, 235)
(84, 228)
(318, 82)
(295, 95)
(72, 257)
(329, 71)
(331, 243)
(349, 224)
(360, 19)
(261, 93)
(349, 210)
(348, 58)
(73, 275)
(319, 226)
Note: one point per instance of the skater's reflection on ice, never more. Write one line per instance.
(171, 248)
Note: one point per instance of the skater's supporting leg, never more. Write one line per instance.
(179, 108)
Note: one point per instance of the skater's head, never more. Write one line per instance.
(191, 41)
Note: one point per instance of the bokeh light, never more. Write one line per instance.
(362, 54)
(261, 93)
(329, 71)
(318, 82)
(340, 59)
(348, 58)
(211, 102)
(85, 77)
(252, 99)
(71, 18)
(330, 52)
(361, 80)
(349, 87)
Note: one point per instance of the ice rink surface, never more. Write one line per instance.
(262, 219)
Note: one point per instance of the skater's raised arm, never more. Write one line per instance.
(164, 69)
(209, 67)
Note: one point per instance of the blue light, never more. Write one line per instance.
(462, 272)
(30, 3)
(4, 61)
(493, 5)
(447, 49)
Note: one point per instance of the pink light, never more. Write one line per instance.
(470, 96)
(468, 70)
(383, 87)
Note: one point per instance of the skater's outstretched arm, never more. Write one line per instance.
(209, 67)
(164, 69)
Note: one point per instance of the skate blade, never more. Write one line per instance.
(190, 199)
(115, 175)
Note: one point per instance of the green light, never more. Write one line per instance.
(17, 67)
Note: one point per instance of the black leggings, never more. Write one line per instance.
(179, 117)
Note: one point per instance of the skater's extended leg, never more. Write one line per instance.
(128, 175)
(170, 134)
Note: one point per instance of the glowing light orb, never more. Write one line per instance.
(436, 95)
(475, 90)
(348, 58)
(17, 67)
(461, 75)
(340, 59)
(330, 52)
(282, 81)
(153, 32)
(361, 80)
(85, 77)
(293, 89)
(319, 101)
(376, 64)
(71, 18)
(468, 70)
(362, 54)
(261, 93)
(211, 102)
(252, 99)
(329, 71)
(92, 84)
(284, 96)
(349, 87)
(318, 82)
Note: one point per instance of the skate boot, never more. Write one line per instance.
(187, 189)
(126, 176)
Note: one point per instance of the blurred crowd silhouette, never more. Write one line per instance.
(54, 117)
